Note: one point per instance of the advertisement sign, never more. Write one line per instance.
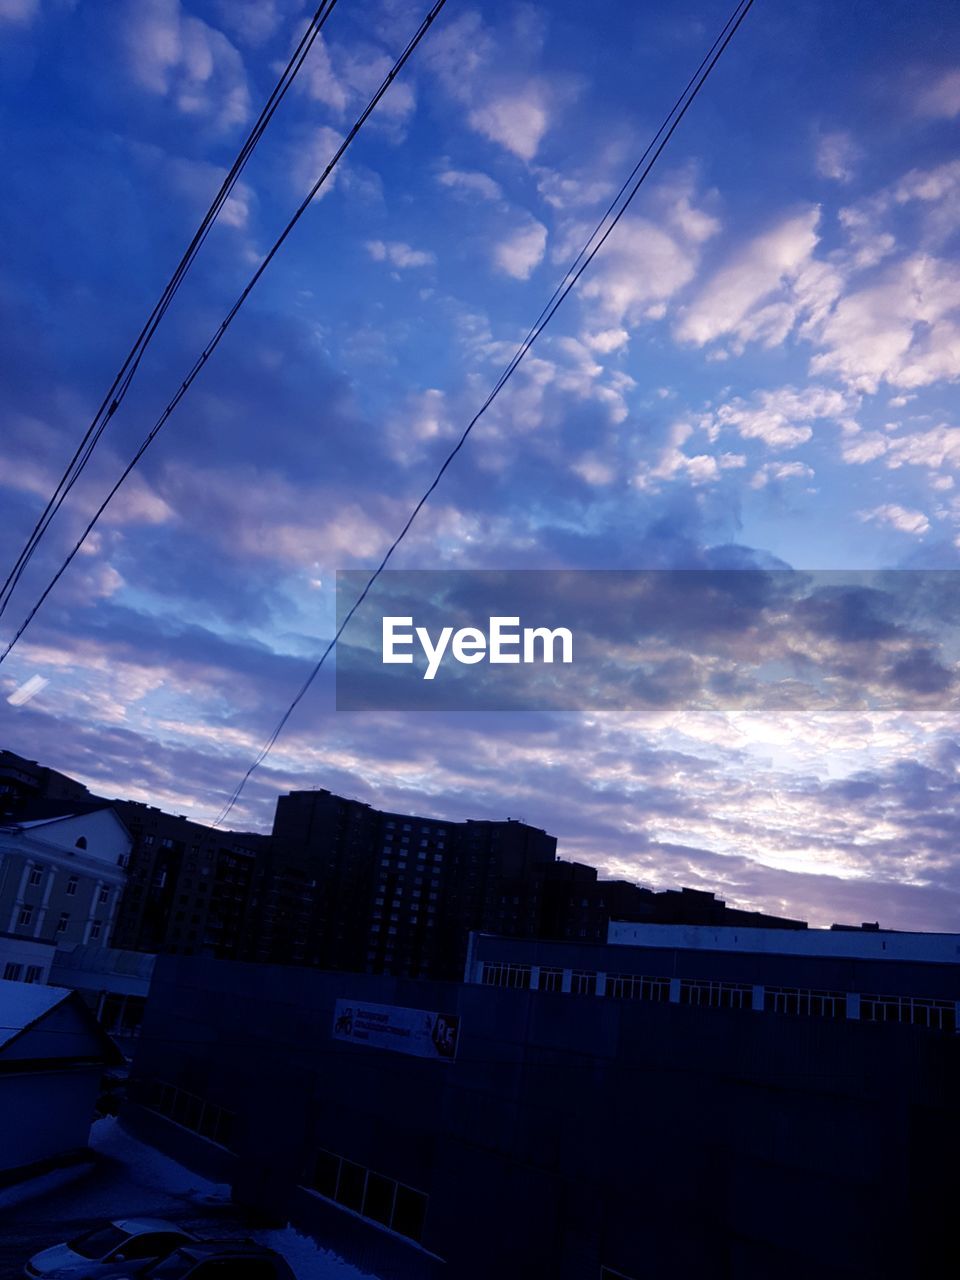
(386, 1026)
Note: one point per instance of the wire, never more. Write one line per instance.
(231, 315)
(583, 259)
(121, 383)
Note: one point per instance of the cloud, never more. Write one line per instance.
(900, 518)
(399, 254)
(781, 418)
(468, 183)
(899, 329)
(177, 56)
(837, 156)
(765, 290)
(522, 250)
(489, 75)
(940, 98)
(774, 472)
(19, 11)
(517, 120)
(345, 77)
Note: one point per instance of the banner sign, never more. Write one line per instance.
(386, 1026)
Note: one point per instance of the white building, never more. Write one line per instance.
(61, 878)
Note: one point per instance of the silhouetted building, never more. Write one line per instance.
(22, 781)
(188, 887)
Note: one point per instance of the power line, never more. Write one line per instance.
(231, 315)
(121, 383)
(591, 248)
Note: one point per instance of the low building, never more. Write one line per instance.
(574, 1110)
(61, 877)
(52, 1056)
(25, 959)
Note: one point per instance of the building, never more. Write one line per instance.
(25, 959)
(612, 1111)
(61, 878)
(392, 892)
(52, 1056)
(189, 887)
(24, 781)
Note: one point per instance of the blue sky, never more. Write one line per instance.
(760, 369)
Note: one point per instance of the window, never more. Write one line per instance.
(81, 843)
(12, 971)
(583, 982)
(103, 896)
(805, 1003)
(716, 995)
(72, 886)
(36, 876)
(507, 975)
(95, 930)
(26, 915)
(371, 1195)
(63, 921)
(917, 1011)
(551, 980)
(123, 861)
(34, 973)
(206, 1118)
(633, 986)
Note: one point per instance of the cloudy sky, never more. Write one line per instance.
(759, 371)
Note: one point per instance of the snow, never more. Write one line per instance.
(22, 1003)
(132, 1179)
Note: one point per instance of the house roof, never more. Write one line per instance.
(24, 1003)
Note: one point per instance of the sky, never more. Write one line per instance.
(757, 374)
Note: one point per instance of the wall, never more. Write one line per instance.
(570, 1133)
(45, 1114)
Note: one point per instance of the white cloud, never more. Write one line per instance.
(781, 418)
(567, 191)
(344, 78)
(639, 268)
(177, 56)
(773, 472)
(468, 182)
(767, 288)
(941, 97)
(837, 156)
(522, 250)
(399, 254)
(504, 101)
(516, 120)
(900, 518)
(897, 330)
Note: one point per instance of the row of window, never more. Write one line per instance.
(371, 1195)
(918, 1011)
(25, 918)
(13, 972)
(36, 879)
(193, 1112)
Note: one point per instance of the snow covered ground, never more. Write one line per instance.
(128, 1179)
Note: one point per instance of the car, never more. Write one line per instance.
(218, 1260)
(125, 1246)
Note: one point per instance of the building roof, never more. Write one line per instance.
(855, 944)
(24, 1003)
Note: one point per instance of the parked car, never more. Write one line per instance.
(124, 1247)
(219, 1260)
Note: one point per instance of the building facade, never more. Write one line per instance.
(550, 1130)
(61, 878)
